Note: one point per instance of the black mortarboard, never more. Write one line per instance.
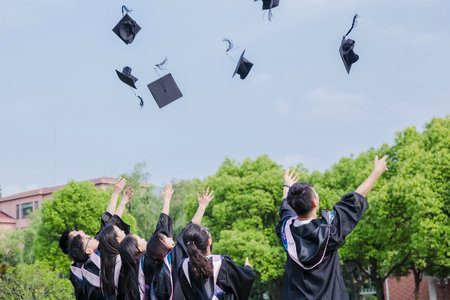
(126, 77)
(269, 4)
(348, 56)
(243, 67)
(164, 90)
(127, 28)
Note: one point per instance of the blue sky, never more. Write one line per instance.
(65, 115)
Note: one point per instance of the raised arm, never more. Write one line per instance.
(203, 202)
(166, 196)
(126, 198)
(118, 187)
(290, 177)
(379, 166)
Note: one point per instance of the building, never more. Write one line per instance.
(15, 208)
(431, 288)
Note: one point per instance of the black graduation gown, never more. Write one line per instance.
(312, 266)
(76, 278)
(166, 281)
(91, 268)
(234, 282)
(164, 226)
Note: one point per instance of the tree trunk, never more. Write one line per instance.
(418, 275)
(380, 289)
(379, 282)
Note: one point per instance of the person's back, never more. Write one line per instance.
(312, 265)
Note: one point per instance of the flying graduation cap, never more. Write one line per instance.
(243, 66)
(126, 77)
(127, 28)
(348, 56)
(164, 90)
(268, 5)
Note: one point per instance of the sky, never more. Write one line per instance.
(65, 115)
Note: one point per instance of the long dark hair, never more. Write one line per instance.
(196, 239)
(156, 251)
(109, 249)
(130, 266)
(300, 198)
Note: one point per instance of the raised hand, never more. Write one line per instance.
(166, 196)
(203, 202)
(120, 184)
(206, 197)
(247, 263)
(379, 165)
(127, 195)
(290, 177)
(167, 193)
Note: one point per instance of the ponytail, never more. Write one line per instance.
(196, 239)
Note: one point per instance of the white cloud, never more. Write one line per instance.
(340, 106)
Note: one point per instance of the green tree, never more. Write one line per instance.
(78, 205)
(420, 193)
(243, 216)
(182, 191)
(36, 281)
(145, 205)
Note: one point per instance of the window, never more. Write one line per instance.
(36, 205)
(17, 212)
(26, 209)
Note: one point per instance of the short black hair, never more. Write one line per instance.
(64, 241)
(300, 198)
(76, 250)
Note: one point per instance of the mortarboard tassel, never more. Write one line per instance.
(230, 44)
(160, 66)
(353, 25)
(125, 10)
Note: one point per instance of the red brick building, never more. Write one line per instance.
(403, 289)
(15, 208)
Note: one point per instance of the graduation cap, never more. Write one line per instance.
(269, 4)
(346, 51)
(127, 28)
(164, 89)
(126, 77)
(243, 67)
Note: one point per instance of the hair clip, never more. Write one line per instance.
(190, 242)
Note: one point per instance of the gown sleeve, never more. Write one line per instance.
(116, 220)
(347, 213)
(235, 280)
(285, 213)
(164, 225)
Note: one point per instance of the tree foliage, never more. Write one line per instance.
(37, 281)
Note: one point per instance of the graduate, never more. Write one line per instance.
(204, 276)
(165, 284)
(141, 259)
(101, 275)
(82, 255)
(312, 266)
